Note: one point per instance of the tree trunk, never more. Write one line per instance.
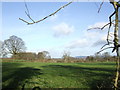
(116, 42)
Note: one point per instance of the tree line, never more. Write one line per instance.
(15, 46)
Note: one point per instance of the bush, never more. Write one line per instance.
(25, 56)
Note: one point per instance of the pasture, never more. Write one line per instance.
(90, 75)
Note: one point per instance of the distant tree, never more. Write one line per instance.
(3, 53)
(97, 57)
(40, 55)
(46, 54)
(90, 58)
(13, 45)
(106, 56)
(43, 55)
(66, 56)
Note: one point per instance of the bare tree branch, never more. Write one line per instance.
(100, 6)
(27, 12)
(101, 27)
(26, 7)
(44, 17)
(108, 34)
(29, 17)
(110, 22)
(104, 49)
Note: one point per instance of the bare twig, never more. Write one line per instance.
(101, 27)
(104, 49)
(29, 17)
(44, 17)
(107, 44)
(26, 7)
(94, 28)
(100, 6)
(27, 12)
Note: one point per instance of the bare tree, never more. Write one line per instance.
(14, 45)
(3, 52)
(106, 56)
(66, 56)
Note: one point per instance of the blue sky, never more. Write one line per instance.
(65, 31)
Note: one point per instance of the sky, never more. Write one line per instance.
(66, 31)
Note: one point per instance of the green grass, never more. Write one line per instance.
(57, 75)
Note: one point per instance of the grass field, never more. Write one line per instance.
(57, 75)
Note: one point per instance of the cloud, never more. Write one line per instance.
(91, 34)
(77, 44)
(63, 29)
(101, 41)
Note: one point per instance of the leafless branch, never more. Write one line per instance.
(104, 49)
(100, 6)
(27, 12)
(108, 34)
(29, 17)
(101, 27)
(44, 17)
(107, 44)
(26, 7)
(110, 22)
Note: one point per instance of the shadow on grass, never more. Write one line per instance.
(96, 78)
(17, 75)
(97, 63)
